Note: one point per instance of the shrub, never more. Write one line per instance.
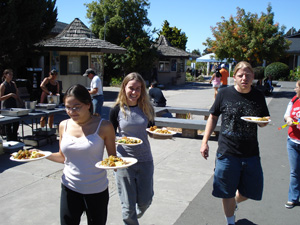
(259, 72)
(116, 82)
(189, 77)
(295, 74)
(278, 71)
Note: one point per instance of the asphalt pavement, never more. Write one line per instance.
(30, 192)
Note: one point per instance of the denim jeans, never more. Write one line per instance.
(293, 150)
(233, 173)
(135, 187)
(97, 104)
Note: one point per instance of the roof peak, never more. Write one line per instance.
(76, 29)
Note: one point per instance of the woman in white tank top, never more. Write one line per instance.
(82, 140)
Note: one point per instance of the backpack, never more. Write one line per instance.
(218, 74)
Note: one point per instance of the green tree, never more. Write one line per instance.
(22, 24)
(196, 52)
(122, 22)
(175, 36)
(249, 37)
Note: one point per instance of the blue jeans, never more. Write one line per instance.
(234, 173)
(135, 187)
(293, 150)
(97, 104)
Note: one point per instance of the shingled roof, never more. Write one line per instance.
(78, 37)
(164, 48)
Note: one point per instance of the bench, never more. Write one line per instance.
(189, 126)
(180, 112)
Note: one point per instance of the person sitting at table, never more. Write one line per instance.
(50, 86)
(9, 96)
(157, 97)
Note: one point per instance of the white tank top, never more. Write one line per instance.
(81, 155)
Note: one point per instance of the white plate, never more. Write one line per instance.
(245, 118)
(130, 161)
(129, 144)
(152, 132)
(46, 153)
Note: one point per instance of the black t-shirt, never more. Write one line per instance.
(238, 137)
(157, 96)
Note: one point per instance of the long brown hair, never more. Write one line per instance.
(143, 101)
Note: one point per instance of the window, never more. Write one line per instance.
(96, 63)
(164, 66)
(174, 65)
(74, 65)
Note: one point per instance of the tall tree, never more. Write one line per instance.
(249, 37)
(122, 22)
(175, 36)
(22, 24)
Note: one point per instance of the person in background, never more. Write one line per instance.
(49, 86)
(238, 173)
(82, 140)
(268, 85)
(225, 75)
(9, 96)
(156, 95)
(131, 115)
(216, 81)
(292, 116)
(96, 91)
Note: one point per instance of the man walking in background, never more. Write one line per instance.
(96, 91)
(225, 75)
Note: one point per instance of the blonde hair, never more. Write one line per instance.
(242, 64)
(143, 101)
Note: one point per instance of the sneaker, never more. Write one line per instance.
(290, 205)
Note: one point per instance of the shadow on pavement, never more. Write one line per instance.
(244, 222)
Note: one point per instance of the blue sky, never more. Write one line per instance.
(194, 17)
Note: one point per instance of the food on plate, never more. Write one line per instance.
(112, 161)
(258, 119)
(163, 130)
(127, 140)
(153, 128)
(27, 154)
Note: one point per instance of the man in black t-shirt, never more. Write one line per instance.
(156, 95)
(238, 172)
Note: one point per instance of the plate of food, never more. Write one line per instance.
(129, 141)
(114, 162)
(29, 155)
(254, 119)
(160, 131)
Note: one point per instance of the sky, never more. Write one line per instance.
(194, 17)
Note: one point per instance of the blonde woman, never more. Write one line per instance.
(130, 116)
